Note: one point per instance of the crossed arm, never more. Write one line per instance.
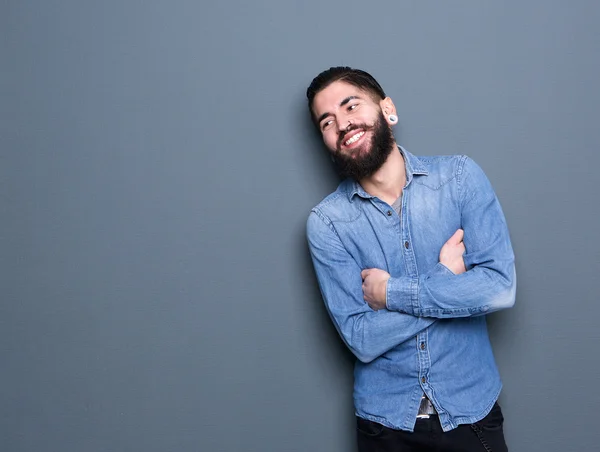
(375, 280)
(370, 329)
(375, 312)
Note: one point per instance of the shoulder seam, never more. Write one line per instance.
(459, 172)
(319, 213)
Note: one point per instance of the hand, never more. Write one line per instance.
(451, 254)
(374, 287)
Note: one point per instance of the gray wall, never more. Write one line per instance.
(157, 167)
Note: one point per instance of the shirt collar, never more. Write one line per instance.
(414, 167)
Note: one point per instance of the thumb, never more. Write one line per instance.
(457, 237)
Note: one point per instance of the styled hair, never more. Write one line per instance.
(361, 79)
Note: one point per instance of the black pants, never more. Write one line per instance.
(484, 436)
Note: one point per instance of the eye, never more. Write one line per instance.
(352, 107)
(326, 124)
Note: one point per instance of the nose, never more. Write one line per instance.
(344, 126)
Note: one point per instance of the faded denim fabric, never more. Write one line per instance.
(432, 337)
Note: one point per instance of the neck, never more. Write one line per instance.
(388, 181)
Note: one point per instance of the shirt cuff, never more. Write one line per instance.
(402, 294)
(441, 269)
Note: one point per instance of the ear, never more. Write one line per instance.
(388, 108)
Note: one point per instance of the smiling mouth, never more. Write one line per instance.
(354, 138)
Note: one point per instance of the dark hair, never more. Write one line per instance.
(361, 79)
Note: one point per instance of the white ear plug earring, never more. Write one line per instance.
(393, 119)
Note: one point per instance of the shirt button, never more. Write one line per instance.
(389, 213)
(422, 345)
(423, 379)
(406, 244)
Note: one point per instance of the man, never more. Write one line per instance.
(410, 253)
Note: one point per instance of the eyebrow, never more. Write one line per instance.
(342, 103)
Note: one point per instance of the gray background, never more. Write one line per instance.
(157, 167)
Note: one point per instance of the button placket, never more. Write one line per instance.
(424, 361)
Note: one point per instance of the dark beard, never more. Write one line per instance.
(366, 165)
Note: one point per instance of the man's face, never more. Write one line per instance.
(353, 129)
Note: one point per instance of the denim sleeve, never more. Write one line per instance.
(367, 333)
(489, 284)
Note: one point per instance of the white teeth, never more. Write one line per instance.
(354, 138)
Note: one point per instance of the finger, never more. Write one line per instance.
(364, 273)
(456, 237)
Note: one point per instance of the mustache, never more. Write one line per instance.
(342, 135)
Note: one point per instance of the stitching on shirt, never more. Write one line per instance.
(432, 187)
(325, 220)
(348, 219)
(424, 181)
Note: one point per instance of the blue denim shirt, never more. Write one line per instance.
(432, 337)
